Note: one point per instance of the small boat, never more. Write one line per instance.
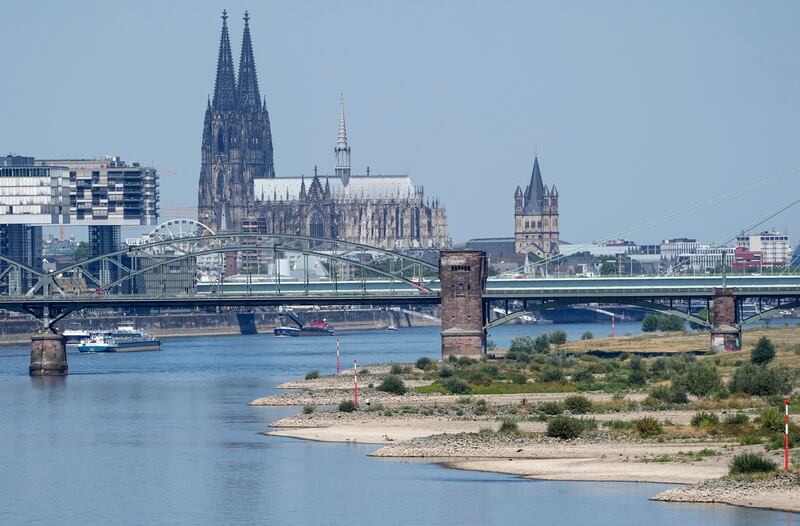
(391, 327)
(317, 328)
(286, 331)
(123, 339)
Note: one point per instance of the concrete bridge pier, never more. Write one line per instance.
(48, 354)
(462, 275)
(726, 333)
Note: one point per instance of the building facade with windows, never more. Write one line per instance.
(773, 246)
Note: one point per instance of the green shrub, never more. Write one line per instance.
(587, 335)
(702, 379)
(308, 409)
(491, 370)
(347, 406)
(558, 337)
(771, 419)
(564, 427)
(446, 372)
(521, 345)
(550, 408)
(739, 419)
(455, 385)
(648, 427)
(392, 384)
(673, 394)
(396, 369)
(763, 352)
(618, 425)
(650, 323)
(465, 361)
(508, 427)
(583, 375)
(704, 419)
(745, 463)
(551, 374)
(578, 404)
(423, 363)
(637, 378)
(452, 359)
(541, 344)
(519, 379)
(310, 375)
(668, 322)
(759, 380)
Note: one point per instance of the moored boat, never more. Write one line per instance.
(123, 339)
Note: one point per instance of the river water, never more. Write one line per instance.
(168, 438)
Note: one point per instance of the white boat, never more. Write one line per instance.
(391, 327)
(123, 339)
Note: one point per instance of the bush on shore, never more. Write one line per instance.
(759, 380)
(308, 409)
(578, 404)
(564, 427)
(423, 363)
(455, 385)
(311, 375)
(508, 427)
(763, 352)
(347, 406)
(745, 463)
(648, 427)
(704, 419)
(392, 384)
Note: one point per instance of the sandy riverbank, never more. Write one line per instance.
(446, 429)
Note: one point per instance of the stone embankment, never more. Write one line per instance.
(778, 492)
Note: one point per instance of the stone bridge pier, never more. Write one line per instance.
(462, 275)
(48, 354)
(726, 334)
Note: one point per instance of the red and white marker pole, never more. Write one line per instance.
(612, 326)
(337, 355)
(355, 383)
(786, 436)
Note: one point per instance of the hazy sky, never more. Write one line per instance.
(636, 109)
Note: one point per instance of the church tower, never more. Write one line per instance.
(237, 140)
(536, 217)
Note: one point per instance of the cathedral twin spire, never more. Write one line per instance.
(228, 93)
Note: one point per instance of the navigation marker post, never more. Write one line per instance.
(612, 325)
(786, 437)
(355, 383)
(337, 355)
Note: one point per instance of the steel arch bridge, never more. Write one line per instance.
(357, 274)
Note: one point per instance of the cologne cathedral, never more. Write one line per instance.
(239, 189)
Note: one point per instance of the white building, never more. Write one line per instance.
(774, 247)
(33, 195)
(671, 249)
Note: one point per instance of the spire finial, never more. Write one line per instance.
(342, 150)
(224, 17)
(246, 17)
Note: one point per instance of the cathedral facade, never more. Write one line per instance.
(536, 217)
(239, 189)
(237, 140)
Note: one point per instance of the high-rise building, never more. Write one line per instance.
(536, 217)
(774, 247)
(237, 141)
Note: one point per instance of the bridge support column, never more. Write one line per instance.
(462, 275)
(48, 355)
(726, 335)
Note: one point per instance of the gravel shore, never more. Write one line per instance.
(779, 492)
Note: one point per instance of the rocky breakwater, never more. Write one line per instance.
(777, 492)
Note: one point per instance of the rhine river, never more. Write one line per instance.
(168, 438)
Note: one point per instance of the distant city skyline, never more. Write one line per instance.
(635, 111)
